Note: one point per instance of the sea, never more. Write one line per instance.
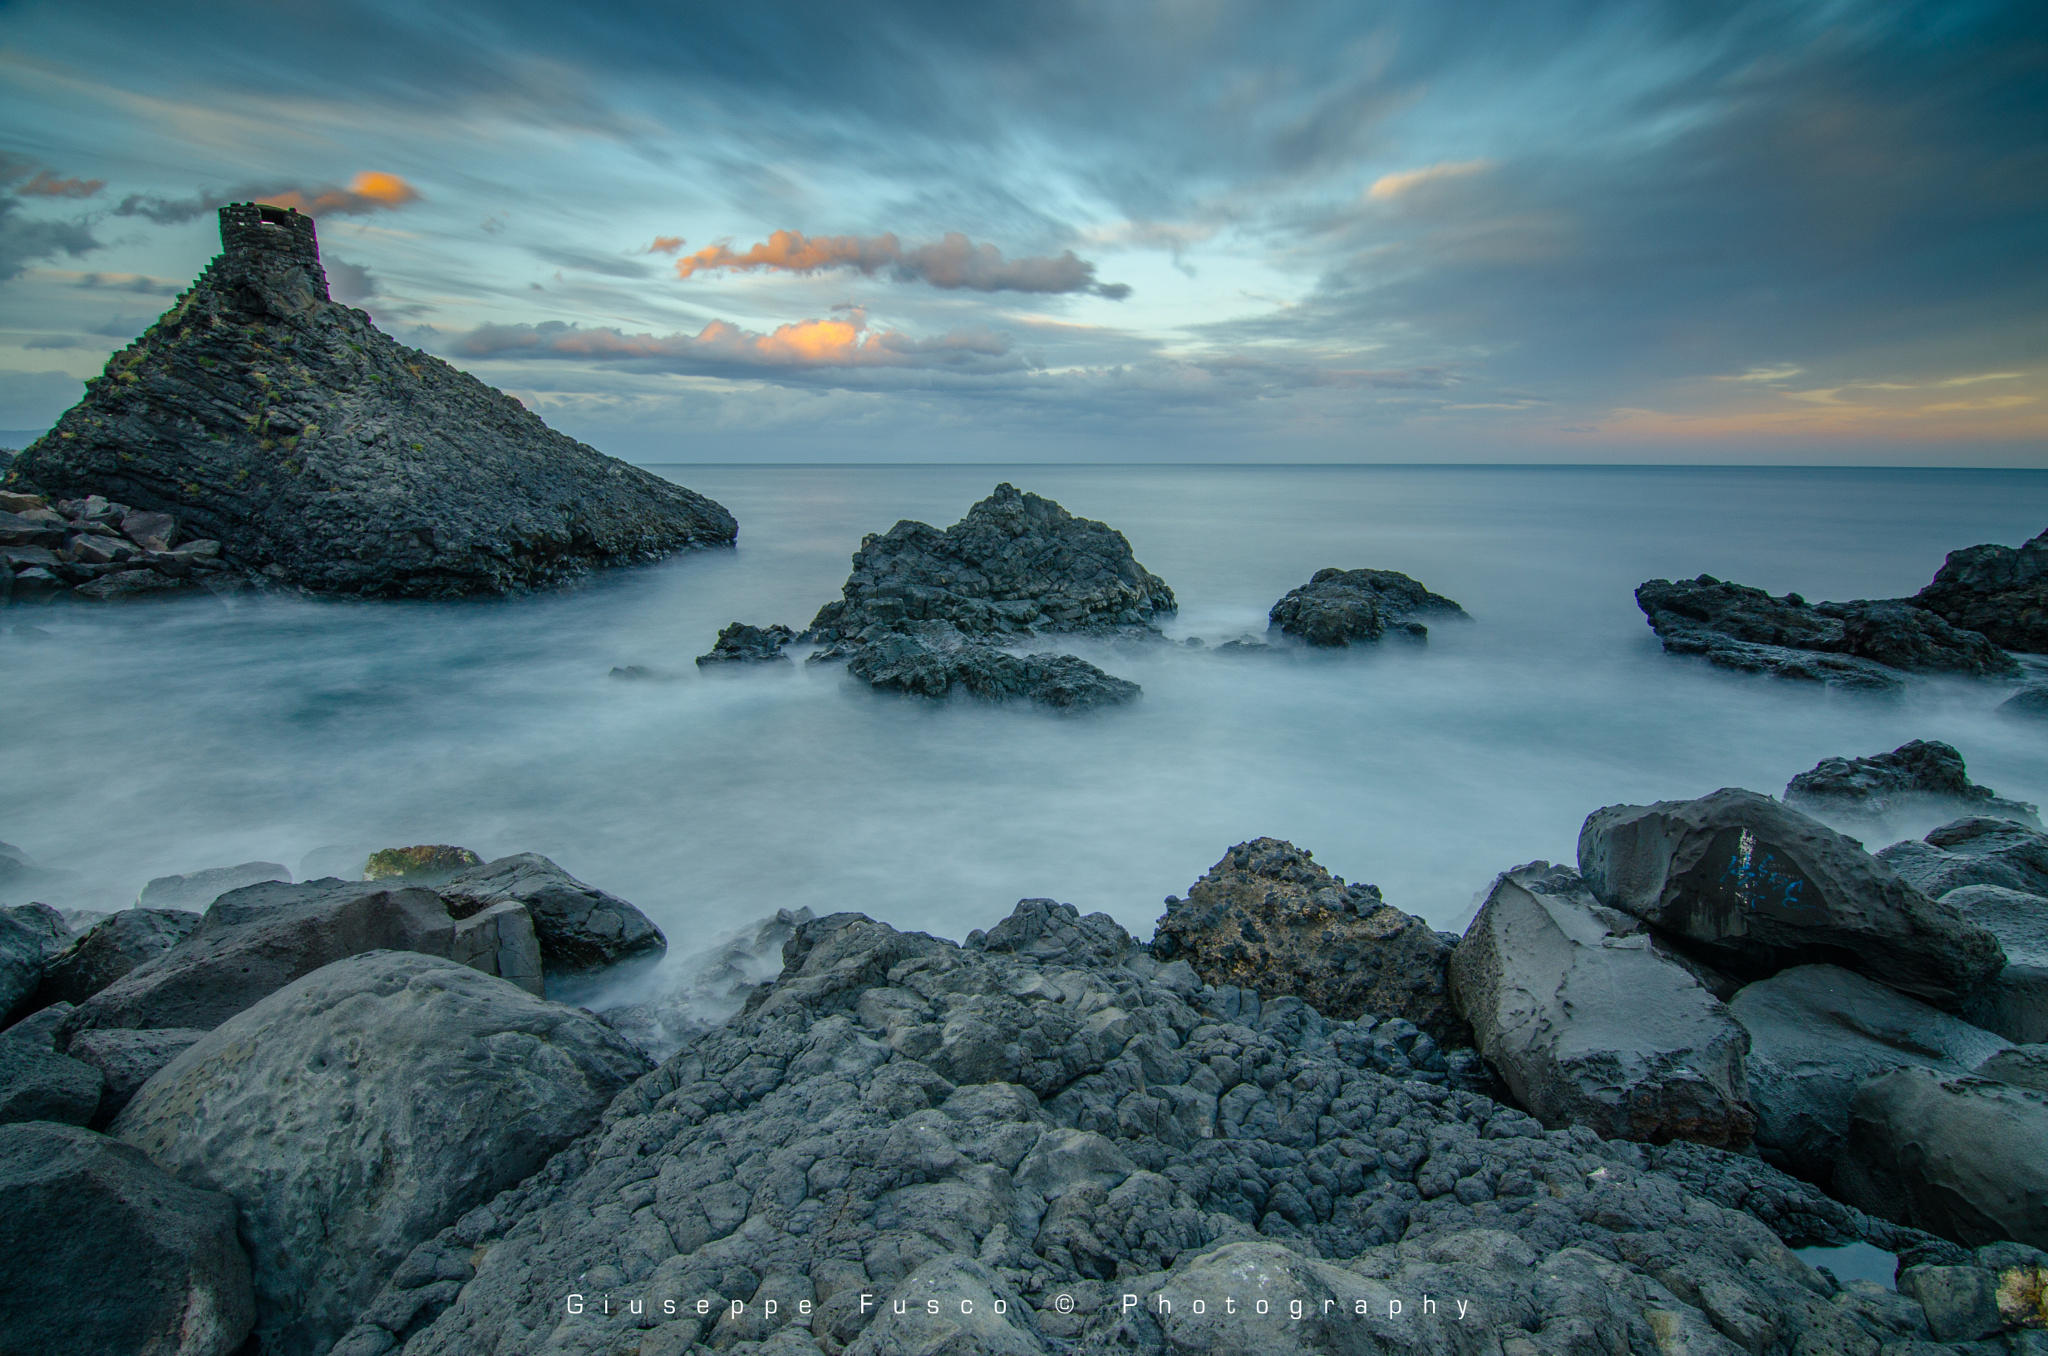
(166, 737)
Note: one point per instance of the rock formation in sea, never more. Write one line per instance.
(740, 643)
(1861, 645)
(297, 442)
(2001, 591)
(1336, 608)
(1920, 776)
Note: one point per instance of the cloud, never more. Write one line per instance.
(27, 240)
(664, 244)
(722, 348)
(951, 262)
(370, 191)
(1782, 372)
(1390, 186)
(48, 185)
(348, 283)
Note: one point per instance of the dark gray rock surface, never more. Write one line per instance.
(1016, 565)
(357, 1111)
(1975, 851)
(109, 949)
(2014, 1002)
(39, 1084)
(1030, 1117)
(322, 453)
(102, 1252)
(1960, 1156)
(2001, 591)
(1590, 1025)
(1755, 887)
(1267, 917)
(1816, 1032)
(29, 935)
(197, 889)
(579, 927)
(1924, 774)
(2025, 1066)
(126, 1059)
(255, 940)
(2030, 702)
(934, 658)
(740, 643)
(1858, 645)
(1337, 608)
(705, 988)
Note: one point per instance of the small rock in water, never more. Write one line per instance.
(1337, 608)
(424, 863)
(740, 643)
(1918, 775)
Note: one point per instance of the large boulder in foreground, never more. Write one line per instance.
(1815, 1033)
(933, 658)
(322, 453)
(1268, 918)
(101, 1251)
(1959, 1156)
(1861, 644)
(1976, 851)
(355, 1112)
(1336, 608)
(1923, 775)
(578, 926)
(256, 940)
(1588, 1024)
(1756, 888)
(1016, 565)
(1999, 590)
(2015, 1001)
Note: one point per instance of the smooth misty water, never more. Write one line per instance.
(150, 739)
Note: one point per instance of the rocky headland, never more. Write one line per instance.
(261, 431)
(345, 1116)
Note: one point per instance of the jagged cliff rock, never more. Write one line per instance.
(1999, 590)
(322, 453)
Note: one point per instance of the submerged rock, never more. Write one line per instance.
(1963, 1157)
(933, 659)
(355, 1112)
(740, 643)
(101, 1251)
(898, 1117)
(1342, 607)
(1816, 1032)
(1756, 887)
(2001, 591)
(1864, 645)
(1590, 1025)
(579, 927)
(1016, 565)
(319, 452)
(1268, 918)
(2030, 702)
(1915, 776)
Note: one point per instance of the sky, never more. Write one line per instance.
(1198, 230)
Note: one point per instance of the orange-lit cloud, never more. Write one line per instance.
(951, 262)
(721, 346)
(1390, 186)
(665, 244)
(48, 185)
(370, 191)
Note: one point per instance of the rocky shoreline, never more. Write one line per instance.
(1602, 1118)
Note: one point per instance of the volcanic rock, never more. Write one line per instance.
(126, 1060)
(1976, 851)
(363, 1107)
(932, 658)
(1960, 1156)
(1268, 918)
(1079, 1128)
(579, 927)
(101, 1251)
(1016, 565)
(1589, 1025)
(29, 935)
(1914, 776)
(39, 1084)
(109, 949)
(740, 643)
(321, 453)
(1342, 607)
(2001, 591)
(1755, 888)
(1856, 645)
(200, 888)
(1816, 1032)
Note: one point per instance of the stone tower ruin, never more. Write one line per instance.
(259, 241)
